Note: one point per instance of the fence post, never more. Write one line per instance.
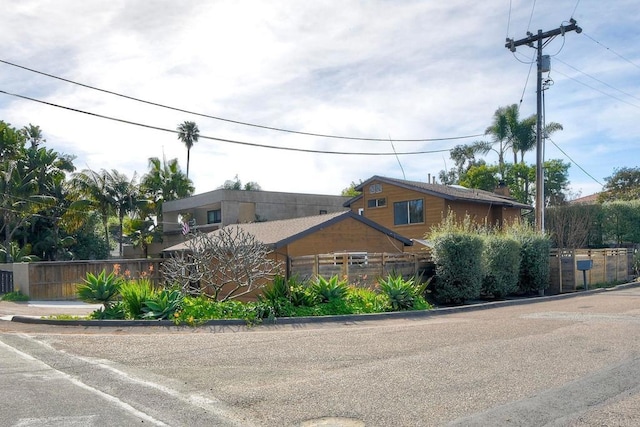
(316, 267)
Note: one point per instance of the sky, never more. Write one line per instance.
(389, 70)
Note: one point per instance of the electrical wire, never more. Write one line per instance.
(230, 141)
(596, 89)
(575, 8)
(237, 122)
(526, 82)
(509, 18)
(598, 80)
(533, 8)
(574, 162)
(610, 50)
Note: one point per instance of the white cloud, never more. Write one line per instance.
(403, 69)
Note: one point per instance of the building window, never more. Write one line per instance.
(377, 203)
(409, 212)
(375, 188)
(323, 211)
(360, 211)
(214, 217)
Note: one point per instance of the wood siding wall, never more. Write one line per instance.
(348, 235)
(435, 208)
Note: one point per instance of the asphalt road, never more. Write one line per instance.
(567, 362)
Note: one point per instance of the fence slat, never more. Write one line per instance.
(359, 267)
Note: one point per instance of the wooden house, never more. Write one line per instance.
(320, 234)
(411, 208)
(341, 233)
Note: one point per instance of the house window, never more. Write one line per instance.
(375, 188)
(408, 212)
(360, 211)
(214, 217)
(377, 203)
(323, 211)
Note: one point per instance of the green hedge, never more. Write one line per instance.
(501, 257)
(534, 267)
(458, 260)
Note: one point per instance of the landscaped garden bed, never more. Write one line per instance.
(126, 299)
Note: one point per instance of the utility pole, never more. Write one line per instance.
(529, 40)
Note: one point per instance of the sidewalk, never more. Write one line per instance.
(38, 309)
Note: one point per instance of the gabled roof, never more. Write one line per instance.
(591, 199)
(282, 232)
(447, 192)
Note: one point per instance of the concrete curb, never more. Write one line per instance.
(346, 318)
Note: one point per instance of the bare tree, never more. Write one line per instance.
(572, 226)
(223, 265)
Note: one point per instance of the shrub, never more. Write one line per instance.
(535, 251)
(14, 296)
(114, 311)
(363, 300)
(163, 304)
(402, 294)
(101, 289)
(329, 290)
(134, 294)
(457, 254)
(501, 257)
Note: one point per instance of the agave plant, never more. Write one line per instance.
(163, 304)
(101, 289)
(134, 295)
(402, 293)
(276, 290)
(329, 290)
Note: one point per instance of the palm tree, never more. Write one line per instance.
(164, 182)
(188, 133)
(33, 134)
(503, 129)
(124, 195)
(92, 190)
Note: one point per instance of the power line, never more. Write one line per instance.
(598, 80)
(612, 51)
(574, 162)
(230, 141)
(155, 104)
(533, 8)
(509, 17)
(596, 89)
(575, 8)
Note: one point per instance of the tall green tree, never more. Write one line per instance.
(623, 185)
(92, 192)
(125, 197)
(502, 131)
(351, 191)
(188, 133)
(464, 158)
(164, 182)
(236, 184)
(33, 135)
(11, 142)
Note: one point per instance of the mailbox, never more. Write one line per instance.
(584, 264)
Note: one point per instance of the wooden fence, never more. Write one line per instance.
(6, 281)
(57, 280)
(609, 266)
(359, 267)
